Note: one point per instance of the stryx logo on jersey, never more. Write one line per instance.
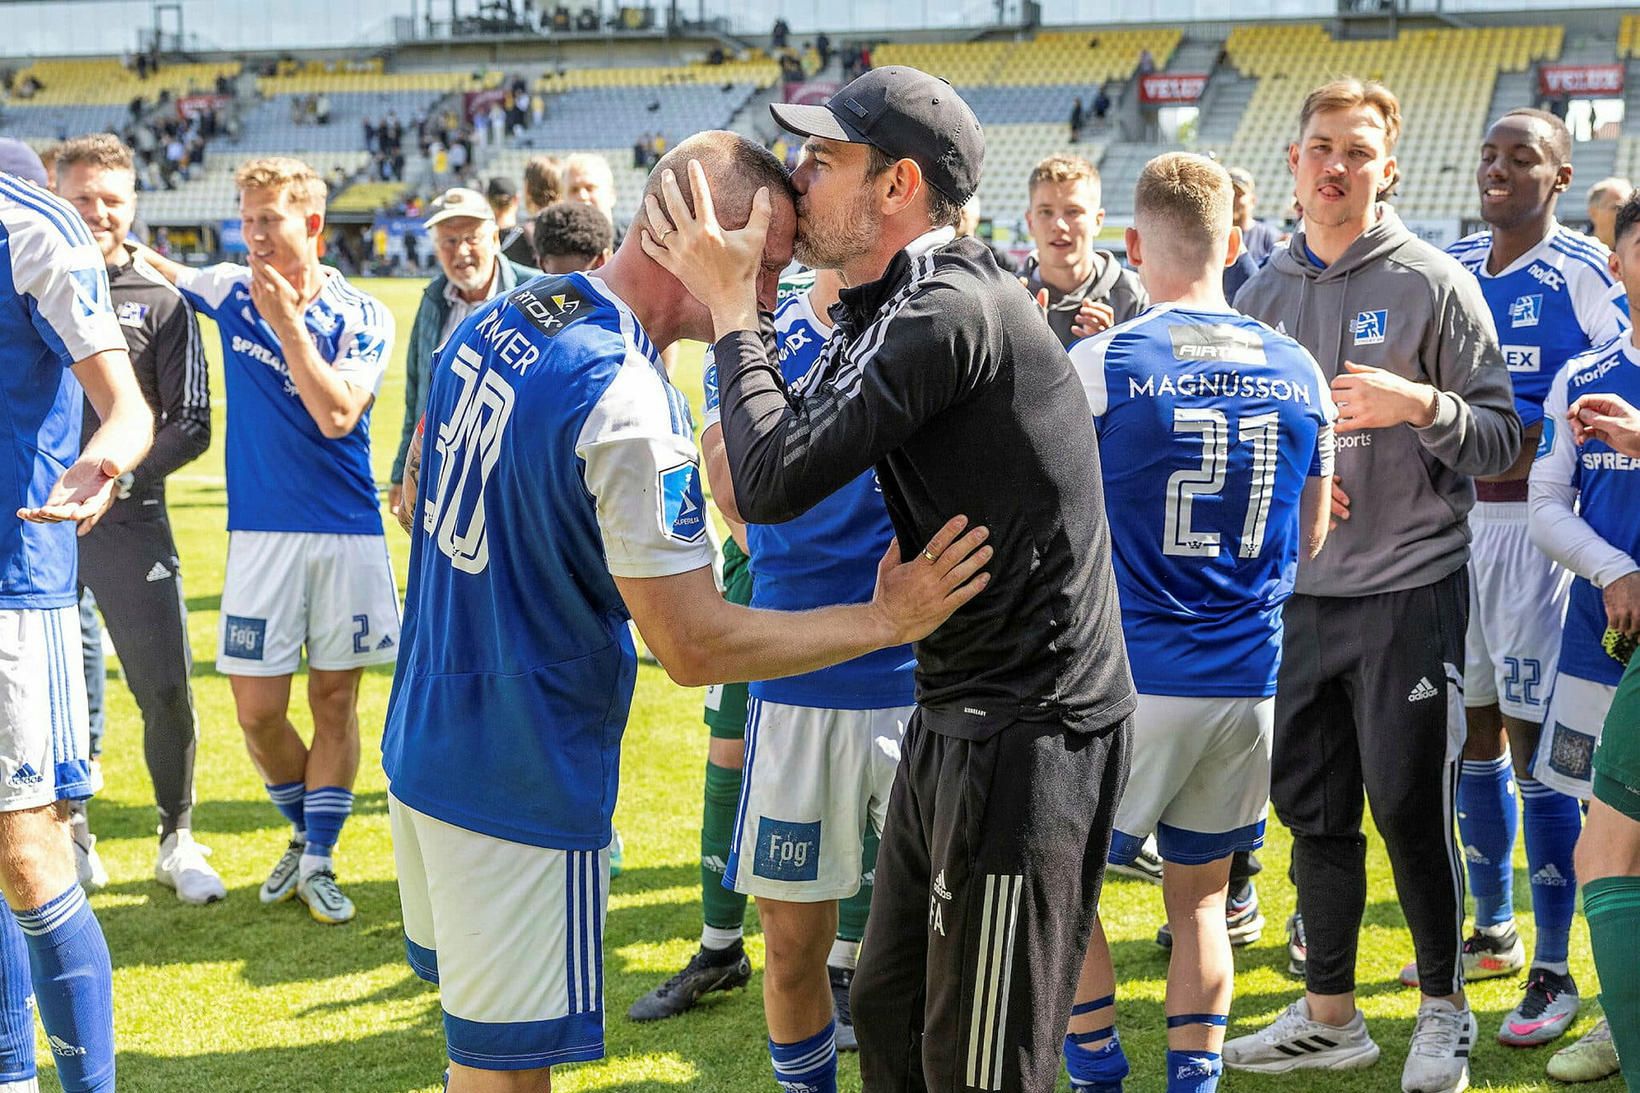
(1522, 358)
(683, 507)
(1370, 326)
(549, 314)
(1547, 276)
(1525, 310)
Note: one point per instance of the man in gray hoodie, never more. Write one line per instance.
(1370, 697)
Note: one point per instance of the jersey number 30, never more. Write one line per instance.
(468, 445)
(1184, 486)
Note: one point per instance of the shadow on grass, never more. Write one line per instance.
(383, 1062)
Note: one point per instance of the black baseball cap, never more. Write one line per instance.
(501, 186)
(907, 114)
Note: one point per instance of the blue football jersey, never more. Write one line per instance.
(556, 457)
(1607, 485)
(1553, 302)
(283, 473)
(1209, 424)
(55, 310)
(828, 555)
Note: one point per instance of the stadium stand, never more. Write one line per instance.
(757, 69)
(108, 82)
(1628, 37)
(619, 114)
(1444, 78)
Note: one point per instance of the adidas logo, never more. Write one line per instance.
(940, 889)
(714, 863)
(60, 1046)
(1424, 689)
(385, 643)
(158, 573)
(25, 775)
(1475, 857)
(1549, 877)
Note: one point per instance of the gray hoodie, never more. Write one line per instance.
(1395, 302)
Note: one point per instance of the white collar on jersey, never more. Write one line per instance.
(1524, 260)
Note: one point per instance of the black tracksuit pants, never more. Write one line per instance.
(131, 567)
(987, 879)
(1370, 700)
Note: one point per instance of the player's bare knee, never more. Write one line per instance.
(465, 1079)
(36, 863)
(1609, 845)
(796, 939)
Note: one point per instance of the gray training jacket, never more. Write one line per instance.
(1395, 302)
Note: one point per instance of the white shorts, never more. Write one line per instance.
(814, 780)
(1199, 778)
(1565, 756)
(512, 935)
(45, 735)
(1517, 604)
(284, 590)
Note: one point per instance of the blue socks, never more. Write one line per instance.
(327, 809)
(1487, 822)
(1096, 1070)
(1193, 1071)
(74, 988)
(1552, 822)
(808, 1066)
(16, 1015)
(288, 798)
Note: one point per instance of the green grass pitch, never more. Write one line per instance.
(242, 997)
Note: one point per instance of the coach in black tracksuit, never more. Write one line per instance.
(942, 375)
(129, 560)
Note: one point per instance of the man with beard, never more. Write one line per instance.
(942, 375)
(1369, 692)
(1551, 298)
(467, 244)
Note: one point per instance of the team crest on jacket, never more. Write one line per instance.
(131, 313)
(1525, 310)
(1370, 326)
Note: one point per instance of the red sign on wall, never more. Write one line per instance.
(1593, 81)
(1158, 89)
(190, 105)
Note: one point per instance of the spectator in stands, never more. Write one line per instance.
(1604, 198)
(543, 183)
(780, 35)
(589, 180)
(1101, 104)
(1077, 118)
(473, 270)
(1147, 62)
(538, 108)
(1258, 239)
(571, 237)
(1084, 290)
(321, 108)
(460, 155)
(370, 136)
(822, 46)
(515, 237)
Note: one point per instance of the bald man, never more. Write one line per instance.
(502, 742)
(1604, 198)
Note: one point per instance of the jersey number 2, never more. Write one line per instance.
(1184, 486)
(468, 446)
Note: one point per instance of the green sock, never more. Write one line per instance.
(721, 908)
(1612, 907)
(852, 912)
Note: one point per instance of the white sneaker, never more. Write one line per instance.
(1589, 1060)
(88, 867)
(182, 866)
(1294, 1042)
(1438, 1059)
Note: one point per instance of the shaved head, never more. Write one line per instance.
(736, 168)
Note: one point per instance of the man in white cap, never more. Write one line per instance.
(468, 246)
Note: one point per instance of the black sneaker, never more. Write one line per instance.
(1298, 950)
(708, 971)
(841, 980)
